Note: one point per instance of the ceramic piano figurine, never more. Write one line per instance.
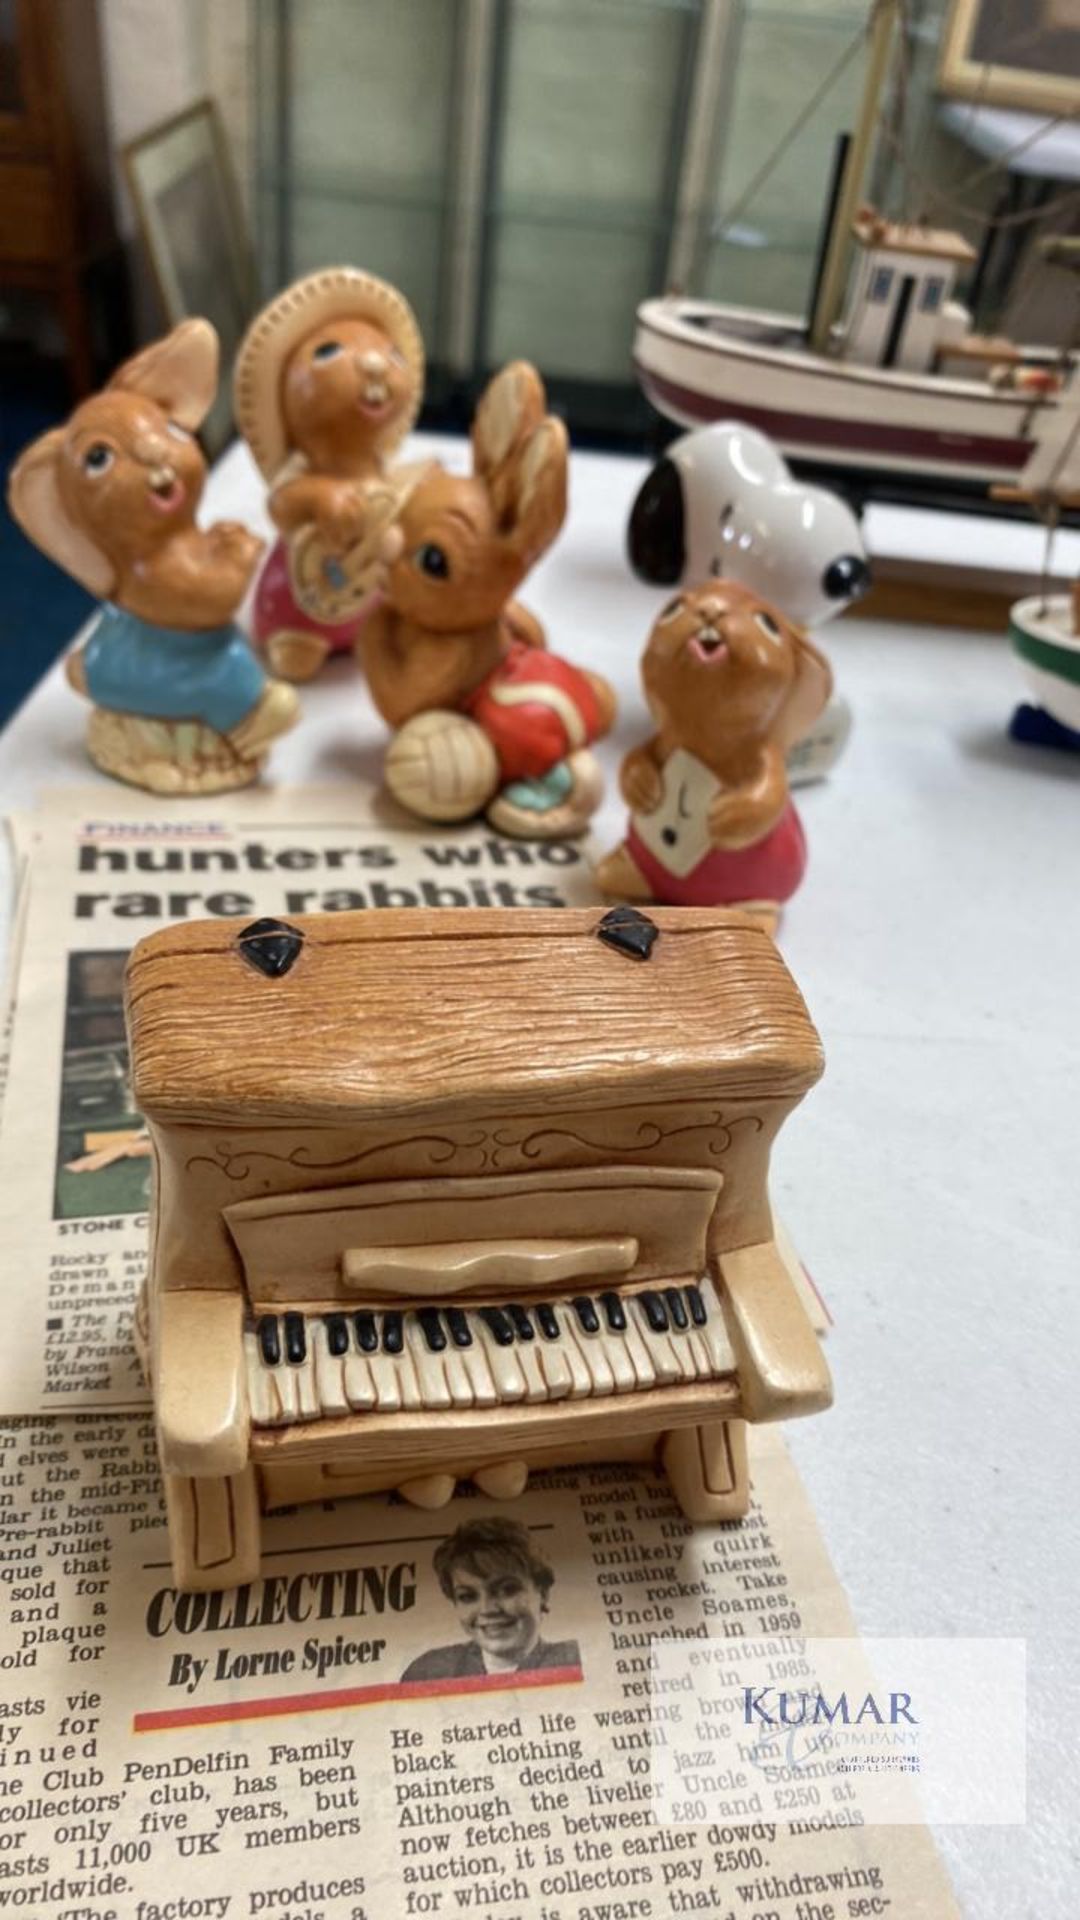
(180, 702)
(458, 1194)
(328, 382)
(732, 686)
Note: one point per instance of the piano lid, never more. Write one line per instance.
(385, 1014)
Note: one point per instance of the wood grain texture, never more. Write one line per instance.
(406, 1010)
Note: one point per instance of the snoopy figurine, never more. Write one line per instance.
(722, 504)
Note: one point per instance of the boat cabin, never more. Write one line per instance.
(900, 290)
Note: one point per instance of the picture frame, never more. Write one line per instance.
(192, 226)
(1013, 53)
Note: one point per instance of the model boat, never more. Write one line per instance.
(886, 380)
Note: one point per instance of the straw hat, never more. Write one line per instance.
(334, 293)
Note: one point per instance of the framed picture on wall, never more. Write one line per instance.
(191, 222)
(1013, 53)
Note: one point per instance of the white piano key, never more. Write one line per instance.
(658, 1347)
(361, 1391)
(581, 1385)
(284, 1383)
(590, 1347)
(622, 1367)
(457, 1377)
(264, 1403)
(479, 1375)
(329, 1371)
(507, 1375)
(384, 1379)
(528, 1359)
(555, 1367)
(307, 1392)
(636, 1352)
(428, 1367)
(715, 1333)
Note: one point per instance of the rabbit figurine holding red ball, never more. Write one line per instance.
(180, 702)
(487, 720)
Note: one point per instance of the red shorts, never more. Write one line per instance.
(535, 709)
(276, 608)
(769, 870)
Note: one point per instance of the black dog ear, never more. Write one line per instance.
(655, 537)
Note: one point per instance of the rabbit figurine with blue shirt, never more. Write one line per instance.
(181, 704)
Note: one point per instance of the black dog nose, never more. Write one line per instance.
(846, 578)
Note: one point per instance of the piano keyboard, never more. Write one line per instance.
(310, 1366)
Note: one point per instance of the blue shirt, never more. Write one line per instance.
(165, 673)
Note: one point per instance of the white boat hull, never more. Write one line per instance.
(699, 363)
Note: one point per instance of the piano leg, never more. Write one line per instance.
(214, 1530)
(707, 1469)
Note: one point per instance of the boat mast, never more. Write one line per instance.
(831, 285)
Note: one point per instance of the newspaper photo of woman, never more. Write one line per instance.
(500, 1587)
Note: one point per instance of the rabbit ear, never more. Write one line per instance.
(511, 405)
(179, 373)
(537, 506)
(809, 693)
(34, 497)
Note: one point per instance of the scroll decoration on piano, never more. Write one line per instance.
(338, 1323)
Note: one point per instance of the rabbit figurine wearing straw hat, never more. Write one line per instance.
(327, 383)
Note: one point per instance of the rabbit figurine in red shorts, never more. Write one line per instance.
(487, 721)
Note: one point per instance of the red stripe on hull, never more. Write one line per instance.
(846, 436)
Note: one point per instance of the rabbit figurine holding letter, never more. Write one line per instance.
(180, 702)
(328, 382)
(732, 685)
(487, 720)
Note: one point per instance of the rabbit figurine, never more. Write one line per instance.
(732, 685)
(328, 381)
(486, 719)
(180, 702)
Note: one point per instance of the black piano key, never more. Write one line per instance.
(458, 1322)
(295, 1339)
(588, 1318)
(614, 1311)
(393, 1332)
(523, 1326)
(654, 1310)
(269, 1339)
(546, 1321)
(367, 1334)
(673, 1301)
(337, 1333)
(497, 1324)
(432, 1328)
(696, 1304)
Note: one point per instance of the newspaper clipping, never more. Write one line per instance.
(408, 1713)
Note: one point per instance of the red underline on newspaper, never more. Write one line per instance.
(282, 1703)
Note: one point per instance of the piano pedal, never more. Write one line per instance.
(428, 1490)
(504, 1480)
